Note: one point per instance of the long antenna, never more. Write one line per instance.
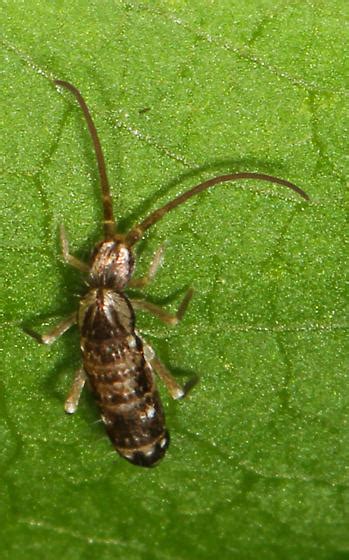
(137, 231)
(109, 224)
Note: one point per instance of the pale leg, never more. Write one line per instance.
(163, 315)
(68, 258)
(175, 389)
(51, 336)
(154, 267)
(72, 401)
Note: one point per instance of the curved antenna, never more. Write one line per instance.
(109, 220)
(137, 231)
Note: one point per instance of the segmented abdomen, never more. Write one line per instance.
(121, 378)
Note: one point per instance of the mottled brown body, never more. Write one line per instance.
(118, 365)
(121, 378)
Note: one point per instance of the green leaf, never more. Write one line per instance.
(258, 464)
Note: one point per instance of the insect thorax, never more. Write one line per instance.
(112, 264)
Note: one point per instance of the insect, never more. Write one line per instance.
(117, 363)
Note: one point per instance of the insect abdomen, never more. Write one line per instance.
(122, 381)
(131, 411)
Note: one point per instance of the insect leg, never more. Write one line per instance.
(163, 315)
(153, 268)
(72, 400)
(175, 390)
(68, 258)
(51, 336)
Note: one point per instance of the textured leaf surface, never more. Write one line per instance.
(258, 465)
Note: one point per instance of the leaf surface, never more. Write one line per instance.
(258, 464)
